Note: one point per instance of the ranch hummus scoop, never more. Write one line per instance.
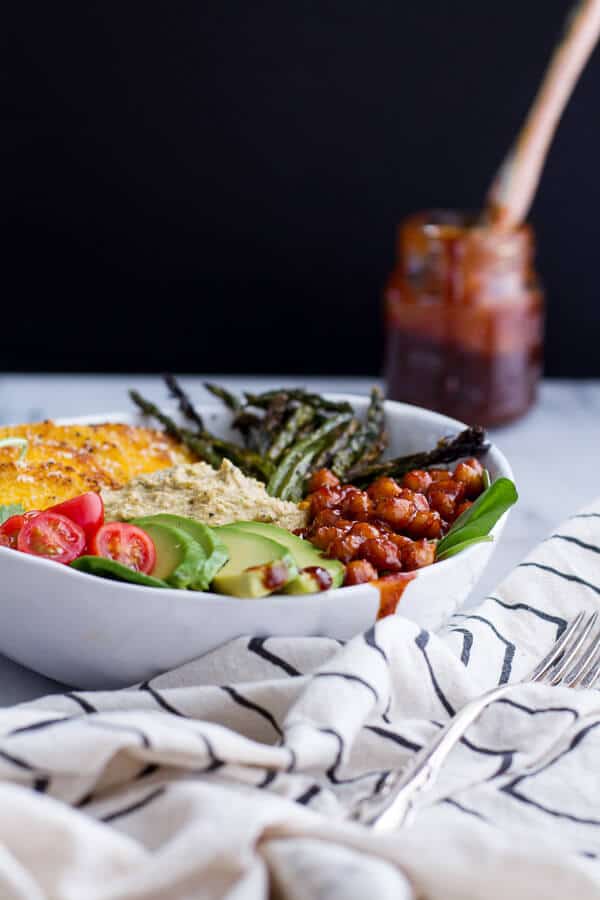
(216, 497)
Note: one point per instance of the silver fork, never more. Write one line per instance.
(573, 661)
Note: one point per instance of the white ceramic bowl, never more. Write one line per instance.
(94, 633)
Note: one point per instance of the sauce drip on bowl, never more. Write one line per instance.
(391, 588)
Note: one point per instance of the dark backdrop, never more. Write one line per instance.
(214, 186)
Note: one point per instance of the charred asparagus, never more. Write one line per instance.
(470, 442)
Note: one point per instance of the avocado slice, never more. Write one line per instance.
(311, 580)
(305, 555)
(257, 565)
(179, 559)
(116, 571)
(214, 549)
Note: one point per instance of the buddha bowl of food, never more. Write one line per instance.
(131, 543)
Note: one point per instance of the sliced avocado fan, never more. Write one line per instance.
(179, 558)
(214, 550)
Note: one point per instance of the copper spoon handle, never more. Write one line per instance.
(515, 184)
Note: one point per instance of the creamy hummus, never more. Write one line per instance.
(216, 497)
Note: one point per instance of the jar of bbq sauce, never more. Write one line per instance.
(464, 319)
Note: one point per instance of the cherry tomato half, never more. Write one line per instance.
(87, 511)
(52, 536)
(9, 531)
(126, 544)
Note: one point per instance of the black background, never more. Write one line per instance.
(214, 186)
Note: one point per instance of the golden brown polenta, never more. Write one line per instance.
(63, 461)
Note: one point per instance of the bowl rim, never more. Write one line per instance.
(361, 400)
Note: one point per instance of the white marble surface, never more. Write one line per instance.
(553, 451)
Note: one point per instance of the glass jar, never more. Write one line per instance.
(464, 319)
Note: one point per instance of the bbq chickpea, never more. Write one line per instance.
(418, 555)
(322, 478)
(420, 500)
(324, 498)
(471, 476)
(357, 505)
(382, 554)
(365, 530)
(344, 524)
(417, 480)
(396, 511)
(325, 535)
(426, 524)
(444, 495)
(440, 474)
(359, 571)
(345, 548)
(326, 517)
(443, 503)
(400, 541)
(384, 527)
(383, 488)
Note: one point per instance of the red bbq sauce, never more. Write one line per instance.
(464, 319)
(391, 588)
(321, 576)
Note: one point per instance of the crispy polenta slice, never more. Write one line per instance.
(63, 461)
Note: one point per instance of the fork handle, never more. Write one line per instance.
(403, 791)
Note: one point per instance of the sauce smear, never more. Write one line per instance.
(391, 588)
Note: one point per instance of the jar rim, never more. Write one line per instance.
(441, 223)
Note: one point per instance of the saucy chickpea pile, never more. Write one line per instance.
(393, 526)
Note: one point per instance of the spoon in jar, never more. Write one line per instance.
(515, 184)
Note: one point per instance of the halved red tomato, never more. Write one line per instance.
(52, 536)
(87, 511)
(9, 531)
(127, 544)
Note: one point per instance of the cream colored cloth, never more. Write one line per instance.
(232, 776)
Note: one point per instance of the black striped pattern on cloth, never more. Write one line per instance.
(322, 724)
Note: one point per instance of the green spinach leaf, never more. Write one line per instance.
(452, 551)
(476, 522)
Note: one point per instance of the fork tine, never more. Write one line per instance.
(561, 644)
(555, 676)
(593, 670)
(583, 664)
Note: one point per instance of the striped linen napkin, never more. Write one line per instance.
(231, 777)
